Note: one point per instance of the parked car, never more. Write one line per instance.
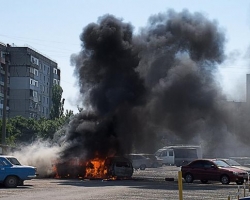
(235, 164)
(178, 155)
(119, 167)
(13, 174)
(154, 162)
(212, 170)
(139, 161)
(113, 167)
(244, 161)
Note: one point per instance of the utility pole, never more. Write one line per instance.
(5, 97)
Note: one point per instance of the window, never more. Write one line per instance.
(34, 93)
(55, 81)
(34, 60)
(2, 54)
(33, 82)
(198, 164)
(31, 104)
(31, 70)
(55, 71)
(207, 164)
(36, 72)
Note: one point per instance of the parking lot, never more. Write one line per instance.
(145, 184)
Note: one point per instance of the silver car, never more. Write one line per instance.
(235, 164)
(139, 161)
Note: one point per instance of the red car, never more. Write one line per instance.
(213, 170)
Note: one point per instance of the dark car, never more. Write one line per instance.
(119, 167)
(212, 170)
(113, 167)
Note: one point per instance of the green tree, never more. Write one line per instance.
(57, 102)
(27, 130)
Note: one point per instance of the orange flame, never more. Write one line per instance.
(96, 169)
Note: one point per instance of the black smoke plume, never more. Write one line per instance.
(135, 87)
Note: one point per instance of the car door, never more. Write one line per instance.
(196, 169)
(167, 156)
(3, 167)
(211, 171)
(200, 170)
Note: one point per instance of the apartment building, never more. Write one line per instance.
(3, 64)
(31, 77)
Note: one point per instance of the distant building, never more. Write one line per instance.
(31, 77)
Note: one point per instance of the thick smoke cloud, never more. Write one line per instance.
(161, 80)
(181, 53)
(112, 90)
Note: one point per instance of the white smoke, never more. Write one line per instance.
(40, 154)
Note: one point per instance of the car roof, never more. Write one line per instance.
(208, 159)
(224, 159)
(6, 156)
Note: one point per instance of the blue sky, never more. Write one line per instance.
(53, 27)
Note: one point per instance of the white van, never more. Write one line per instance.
(178, 155)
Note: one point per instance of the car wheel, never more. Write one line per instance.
(239, 182)
(204, 181)
(11, 182)
(189, 178)
(225, 179)
(142, 167)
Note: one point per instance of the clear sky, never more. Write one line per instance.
(52, 27)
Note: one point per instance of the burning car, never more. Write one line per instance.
(119, 167)
(115, 167)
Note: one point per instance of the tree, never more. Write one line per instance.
(57, 102)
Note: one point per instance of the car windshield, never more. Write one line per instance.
(14, 161)
(221, 163)
(232, 162)
(158, 153)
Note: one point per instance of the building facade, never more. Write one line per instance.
(31, 78)
(3, 86)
